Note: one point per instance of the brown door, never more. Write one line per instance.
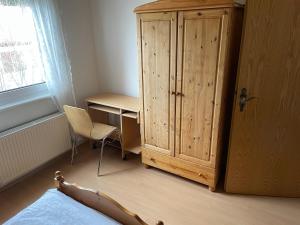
(264, 155)
(202, 36)
(157, 42)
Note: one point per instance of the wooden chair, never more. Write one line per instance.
(82, 125)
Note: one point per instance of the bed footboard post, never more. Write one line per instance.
(59, 179)
(99, 202)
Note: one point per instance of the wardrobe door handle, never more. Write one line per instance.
(180, 94)
(173, 93)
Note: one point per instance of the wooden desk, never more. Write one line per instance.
(127, 108)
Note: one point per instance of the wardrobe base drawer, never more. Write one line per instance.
(180, 167)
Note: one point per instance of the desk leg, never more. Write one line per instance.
(131, 136)
(122, 145)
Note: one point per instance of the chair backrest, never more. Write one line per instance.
(80, 120)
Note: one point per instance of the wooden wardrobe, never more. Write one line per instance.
(188, 52)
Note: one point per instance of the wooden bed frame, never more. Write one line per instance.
(99, 202)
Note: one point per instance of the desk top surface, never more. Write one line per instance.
(116, 100)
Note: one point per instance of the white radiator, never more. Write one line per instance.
(23, 150)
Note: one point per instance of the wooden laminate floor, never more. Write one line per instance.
(153, 194)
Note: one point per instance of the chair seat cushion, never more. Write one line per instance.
(101, 130)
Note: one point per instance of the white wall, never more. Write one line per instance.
(115, 39)
(101, 40)
(78, 31)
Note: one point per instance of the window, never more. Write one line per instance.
(20, 59)
(24, 95)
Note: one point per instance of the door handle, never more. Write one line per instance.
(180, 94)
(177, 94)
(244, 99)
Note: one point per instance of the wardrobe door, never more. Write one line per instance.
(157, 46)
(202, 37)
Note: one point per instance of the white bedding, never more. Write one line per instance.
(56, 208)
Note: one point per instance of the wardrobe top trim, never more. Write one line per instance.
(176, 5)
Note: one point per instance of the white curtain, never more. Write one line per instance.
(51, 45)
(54, 52)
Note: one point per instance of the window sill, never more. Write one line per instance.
(14, 98)
(11, 106)
(25, 112)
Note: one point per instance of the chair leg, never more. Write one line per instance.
(74, 142)
(101, 155)
(76, 149)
